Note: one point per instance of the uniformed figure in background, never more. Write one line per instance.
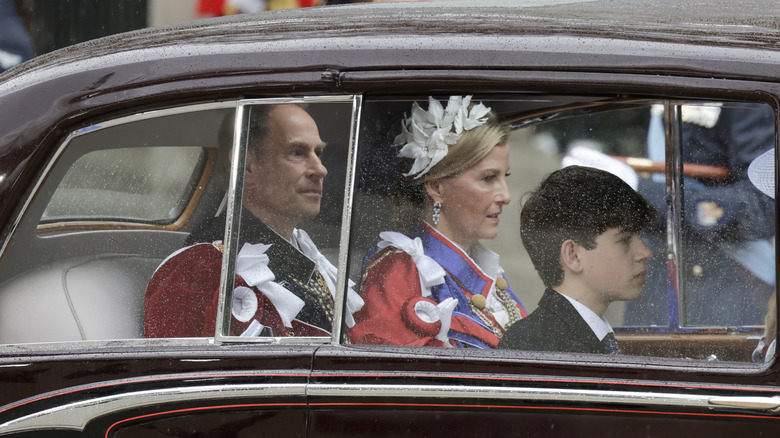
(727, 231)
(726, 268)
(762, 174)
(15, 44)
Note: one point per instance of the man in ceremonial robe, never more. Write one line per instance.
(283, 286)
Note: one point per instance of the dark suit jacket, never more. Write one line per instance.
(554, 326)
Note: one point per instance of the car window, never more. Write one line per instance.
(114, 201)
(721, 224)
(687, 159)
(285, 233)
(727, 268)
(276, 233)
(124, 237)
(131, 184)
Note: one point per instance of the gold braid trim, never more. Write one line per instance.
(384, 253)
(511, 307)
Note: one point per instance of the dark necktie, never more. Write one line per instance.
(611, 344)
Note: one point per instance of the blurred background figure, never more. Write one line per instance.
(290, 4)
(54, 25)
(762, 174)
(726, 225)
(216, 8)
(15, 44)
(31, 28)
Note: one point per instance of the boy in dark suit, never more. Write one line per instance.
(581, 229)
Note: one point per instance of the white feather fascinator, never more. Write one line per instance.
(427, 135)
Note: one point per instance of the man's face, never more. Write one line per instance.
(284, 186)
(616, 269)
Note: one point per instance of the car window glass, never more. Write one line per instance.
(287, 221)
(134, 184)
(404, 307)
(728, 259)
(118, 198)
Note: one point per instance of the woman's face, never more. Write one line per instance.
(471, 201)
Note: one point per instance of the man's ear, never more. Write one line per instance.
(251, 169)
(570, 256)
(434, 189)
(252, 163)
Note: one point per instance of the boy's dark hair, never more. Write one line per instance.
(577, 203)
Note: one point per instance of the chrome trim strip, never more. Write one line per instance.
(514, 394)
(75, 416)
(346, 221)
(759, 403)
(588, 397)
(230, 239)
(109, 346)
(675, 206)
(346, 98)
(153, 114)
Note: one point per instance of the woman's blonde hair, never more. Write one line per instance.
(470, 148)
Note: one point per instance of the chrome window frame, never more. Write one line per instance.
(235, 191)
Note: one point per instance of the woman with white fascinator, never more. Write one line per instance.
(762, 174)
(437, 285)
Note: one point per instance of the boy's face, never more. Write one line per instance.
(615, 270)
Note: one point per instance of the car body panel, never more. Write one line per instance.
(126, 387)
(96, 83)
(141, 385)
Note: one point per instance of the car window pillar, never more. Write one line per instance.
(674, 208)
(346, 222)
(233, 218)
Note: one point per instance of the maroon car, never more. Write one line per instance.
(115, 152)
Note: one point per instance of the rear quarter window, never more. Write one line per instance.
(150, 185)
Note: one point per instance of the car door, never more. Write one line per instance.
(117, 200)
(688, 360)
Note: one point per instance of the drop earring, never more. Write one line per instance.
(436, 212)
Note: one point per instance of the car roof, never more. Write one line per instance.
(313, 48)
(747, 23)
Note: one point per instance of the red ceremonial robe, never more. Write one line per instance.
(391, 289)
(182, 298)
